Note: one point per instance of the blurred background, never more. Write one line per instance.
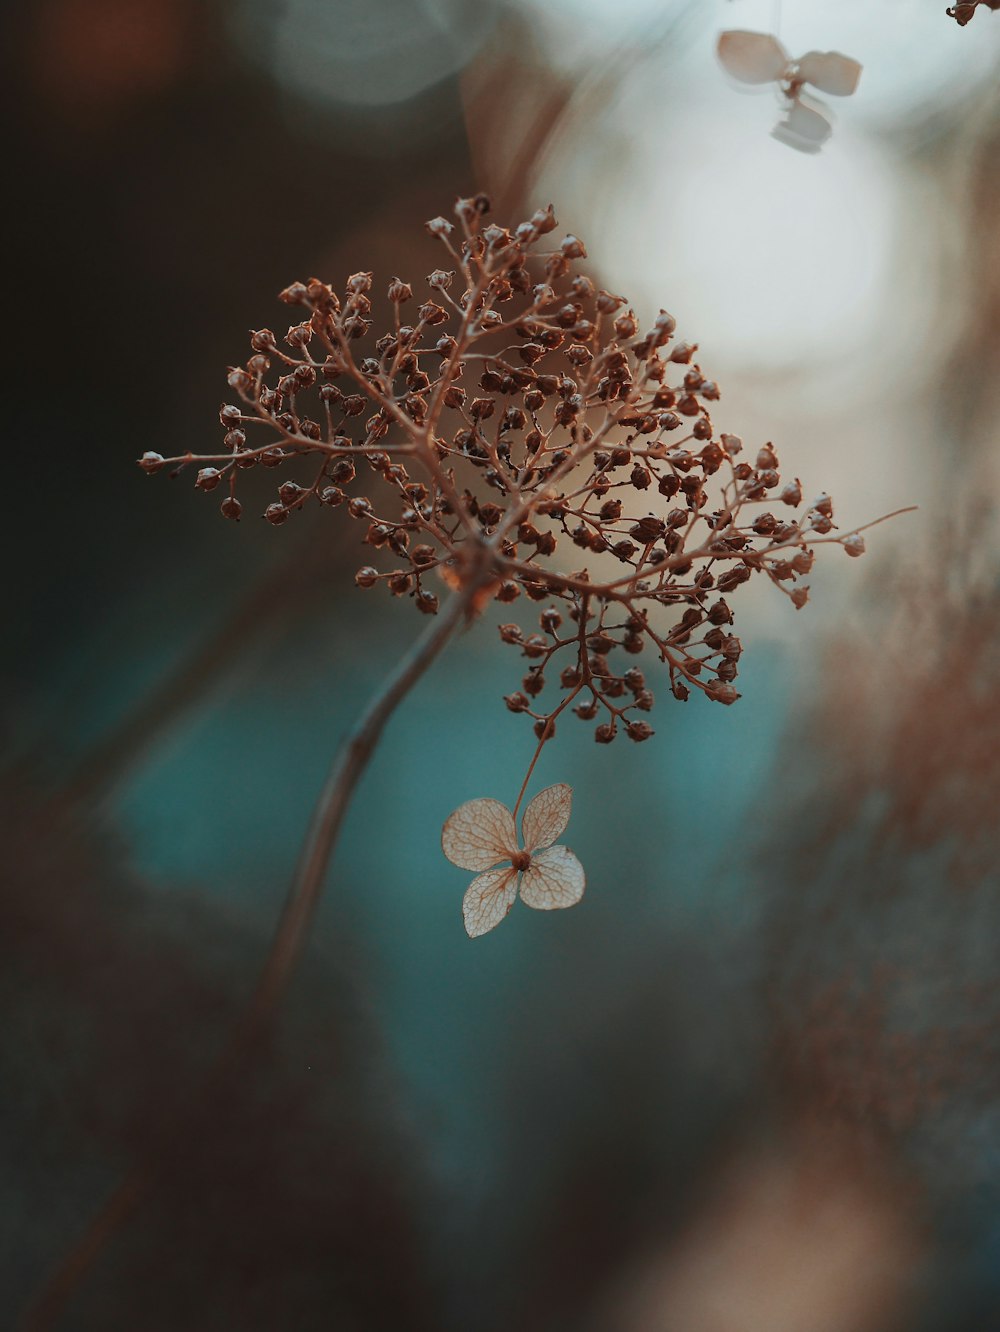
(753, 1081)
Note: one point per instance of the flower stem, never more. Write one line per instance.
(328, 816)
(287, 943)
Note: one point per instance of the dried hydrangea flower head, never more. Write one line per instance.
(514, 434)
(480, 835)
(757, 57)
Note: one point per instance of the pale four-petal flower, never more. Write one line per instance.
(758, 57)
(480, 835)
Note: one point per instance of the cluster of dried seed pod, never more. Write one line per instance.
(512, 432)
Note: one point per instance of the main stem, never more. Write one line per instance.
(286, 947)
(328, 816)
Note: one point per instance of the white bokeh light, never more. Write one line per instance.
(362, 52)
(784, 258)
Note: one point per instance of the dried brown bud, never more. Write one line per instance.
(638, 730)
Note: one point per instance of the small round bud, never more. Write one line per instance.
(276, 514)
(573, 248)
(427, 602)
(854, 544)
(151, 462)
(720, 691)
(208, 478)
(231, 508)
(298, 335)
(604, 733)
(544, 220)
(422, 555)
(638, 730)
(296, 294)
(366, 576)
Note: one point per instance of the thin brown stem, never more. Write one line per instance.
(328, 816)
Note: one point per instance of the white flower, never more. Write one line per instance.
(480, 835)
(757, 57)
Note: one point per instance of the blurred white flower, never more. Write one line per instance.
(480, 835)
(804, 126)
(758, 57)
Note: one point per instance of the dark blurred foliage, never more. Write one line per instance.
(882, 929)
(764, 1054)
(295, 1193)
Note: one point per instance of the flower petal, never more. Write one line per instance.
(488, 898)
(479, 834)
(546, 817)
(830, 72)
(752, 57)
(804, 128)
(555, 878)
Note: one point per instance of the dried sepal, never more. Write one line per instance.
(547, 816)
(479, 834)
(488, 899)
(554, 879)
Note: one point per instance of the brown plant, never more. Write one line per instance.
(520, 422)
(963, 13)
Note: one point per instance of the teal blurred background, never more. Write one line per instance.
(751, 1082)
